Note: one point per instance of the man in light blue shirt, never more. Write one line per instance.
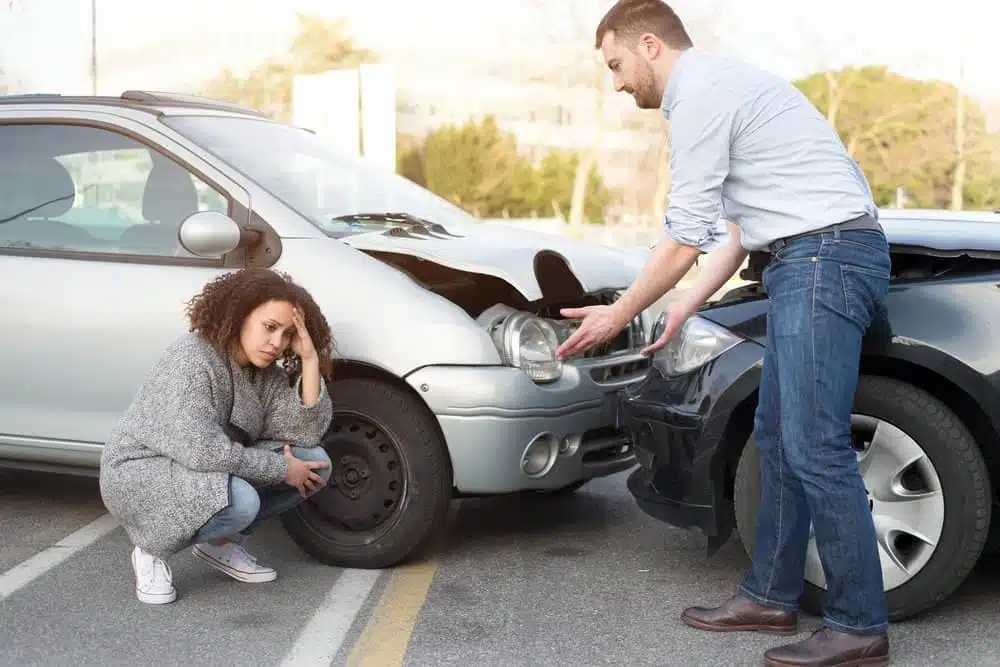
(748, 148)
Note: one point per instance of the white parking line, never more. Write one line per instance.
(27, 571)
(322, 636)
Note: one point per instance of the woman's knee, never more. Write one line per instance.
(244, 502)
(315, 454)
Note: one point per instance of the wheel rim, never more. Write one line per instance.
(367, 487)
(904, 494)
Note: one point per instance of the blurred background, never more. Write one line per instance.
(506, 109)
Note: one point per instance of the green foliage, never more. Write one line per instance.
(902, 132)
(320, 45)
(477, 166)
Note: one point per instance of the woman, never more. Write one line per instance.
(218, 437)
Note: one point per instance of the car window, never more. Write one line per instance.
(91, 190)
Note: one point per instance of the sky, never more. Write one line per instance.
(45, 43)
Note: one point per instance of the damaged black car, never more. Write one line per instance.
(926, 419)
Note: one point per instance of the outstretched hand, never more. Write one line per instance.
(600, 323)
(675, 316)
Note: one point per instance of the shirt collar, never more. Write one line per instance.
(670, 93)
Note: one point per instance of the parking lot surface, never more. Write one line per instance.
(584, 580)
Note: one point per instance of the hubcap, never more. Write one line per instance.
(905, 499)
(368, 480)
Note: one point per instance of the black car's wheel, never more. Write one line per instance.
(390, 486)
(928, 488)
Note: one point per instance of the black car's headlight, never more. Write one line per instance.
(698, 342)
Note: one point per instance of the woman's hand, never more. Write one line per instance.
(301, 342)
(300, 473)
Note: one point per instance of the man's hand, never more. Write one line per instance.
(676, 315)
(719, 267)
(600, 323)
(668, 262)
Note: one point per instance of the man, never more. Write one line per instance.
(748, 147)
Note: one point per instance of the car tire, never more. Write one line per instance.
(390, 487)
(964, 483)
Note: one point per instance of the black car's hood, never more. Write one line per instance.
(942, 231)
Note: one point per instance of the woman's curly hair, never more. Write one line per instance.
(218, 312)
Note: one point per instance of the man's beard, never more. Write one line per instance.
(645, 91)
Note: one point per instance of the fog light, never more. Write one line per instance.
(539, 455)
(569, 444)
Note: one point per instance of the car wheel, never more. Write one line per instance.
(928, 489)
(390, 487)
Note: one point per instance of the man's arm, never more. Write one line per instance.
(667, 264)
(699, 163)
(700, 137)
(718, 267)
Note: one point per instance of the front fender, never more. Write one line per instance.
(381, 317)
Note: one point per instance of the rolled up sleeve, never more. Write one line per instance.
(700, 133)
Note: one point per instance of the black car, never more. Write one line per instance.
(926, 420)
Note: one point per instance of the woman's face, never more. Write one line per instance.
(266, 333)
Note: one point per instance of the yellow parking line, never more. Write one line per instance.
(384, 640)
(387, 634)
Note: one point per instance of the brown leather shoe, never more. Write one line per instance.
(829, 648)
(737, 614)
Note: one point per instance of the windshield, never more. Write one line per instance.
(313, 178)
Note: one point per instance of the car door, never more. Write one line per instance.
(94, 279)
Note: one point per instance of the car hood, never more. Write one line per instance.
(514, 255)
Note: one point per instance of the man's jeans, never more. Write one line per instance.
(250, 505)
(824, 290)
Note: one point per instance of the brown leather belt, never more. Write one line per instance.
(861, 223)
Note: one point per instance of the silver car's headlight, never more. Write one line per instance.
(698, 342)
(529, 343)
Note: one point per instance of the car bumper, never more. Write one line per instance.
(489, 417)
(680, 429)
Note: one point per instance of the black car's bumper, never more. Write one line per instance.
(680, 427)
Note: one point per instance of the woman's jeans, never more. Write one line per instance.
(824, 291)
(250, 505)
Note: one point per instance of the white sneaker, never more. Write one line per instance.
(153, 579)
(232, 559)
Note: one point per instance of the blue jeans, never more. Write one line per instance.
(250, 505)
(824, 291)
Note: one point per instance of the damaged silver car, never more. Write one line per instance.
(114, 211)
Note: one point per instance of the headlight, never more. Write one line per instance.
(529, 343)
(698, 342)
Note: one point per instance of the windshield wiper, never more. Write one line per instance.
(399, 224)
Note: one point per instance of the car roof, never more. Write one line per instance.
(158, 103)
(942, 230)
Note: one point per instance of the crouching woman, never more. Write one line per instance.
(218, 437)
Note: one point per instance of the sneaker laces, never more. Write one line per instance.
(240, 552)
(157, 570)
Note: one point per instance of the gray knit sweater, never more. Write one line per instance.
(165, 468)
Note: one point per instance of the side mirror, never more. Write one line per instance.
(210, 234)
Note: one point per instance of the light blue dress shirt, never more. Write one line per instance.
(748, 146)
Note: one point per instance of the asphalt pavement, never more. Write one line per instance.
(581, 580)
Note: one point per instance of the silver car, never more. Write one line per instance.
(115, 211)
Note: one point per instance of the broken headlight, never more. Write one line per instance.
(526, 342)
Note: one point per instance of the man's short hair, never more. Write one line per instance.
(630, 18)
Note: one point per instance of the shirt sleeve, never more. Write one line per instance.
(700, 136)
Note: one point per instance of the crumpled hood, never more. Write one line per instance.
(505, 252)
